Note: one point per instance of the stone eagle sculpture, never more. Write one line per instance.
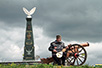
(29, 13)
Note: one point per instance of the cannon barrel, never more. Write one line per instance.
(85, 44)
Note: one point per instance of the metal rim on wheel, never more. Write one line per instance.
(78, 55)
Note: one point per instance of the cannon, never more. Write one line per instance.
(76, 55)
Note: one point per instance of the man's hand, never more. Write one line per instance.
(54, 50)
(67, 47)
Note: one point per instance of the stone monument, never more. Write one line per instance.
(29, 49)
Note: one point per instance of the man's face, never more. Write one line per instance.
(59, 39)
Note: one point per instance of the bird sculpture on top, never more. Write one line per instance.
(29, 13)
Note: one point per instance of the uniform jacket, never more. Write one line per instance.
(58, 46)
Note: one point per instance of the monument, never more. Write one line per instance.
(29, 49)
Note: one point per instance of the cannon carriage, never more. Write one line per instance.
(76, 55)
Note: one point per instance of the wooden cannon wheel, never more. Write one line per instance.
(78, 55)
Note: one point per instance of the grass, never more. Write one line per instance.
(41, 66)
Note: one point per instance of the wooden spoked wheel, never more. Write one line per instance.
(78, 55)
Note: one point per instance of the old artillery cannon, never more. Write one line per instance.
(75, 55)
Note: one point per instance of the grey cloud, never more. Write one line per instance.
(74, 20)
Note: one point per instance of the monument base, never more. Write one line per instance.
(28, 60)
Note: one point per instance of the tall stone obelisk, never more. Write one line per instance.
(29, 49)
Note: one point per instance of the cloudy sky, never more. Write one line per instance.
(78, 21)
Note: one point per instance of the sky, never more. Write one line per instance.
(77, 21)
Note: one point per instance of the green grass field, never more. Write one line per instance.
(40, 66)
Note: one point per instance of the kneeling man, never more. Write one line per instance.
(57, 46)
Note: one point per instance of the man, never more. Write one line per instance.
(55, 47)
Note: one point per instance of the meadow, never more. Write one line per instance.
(41, 66)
